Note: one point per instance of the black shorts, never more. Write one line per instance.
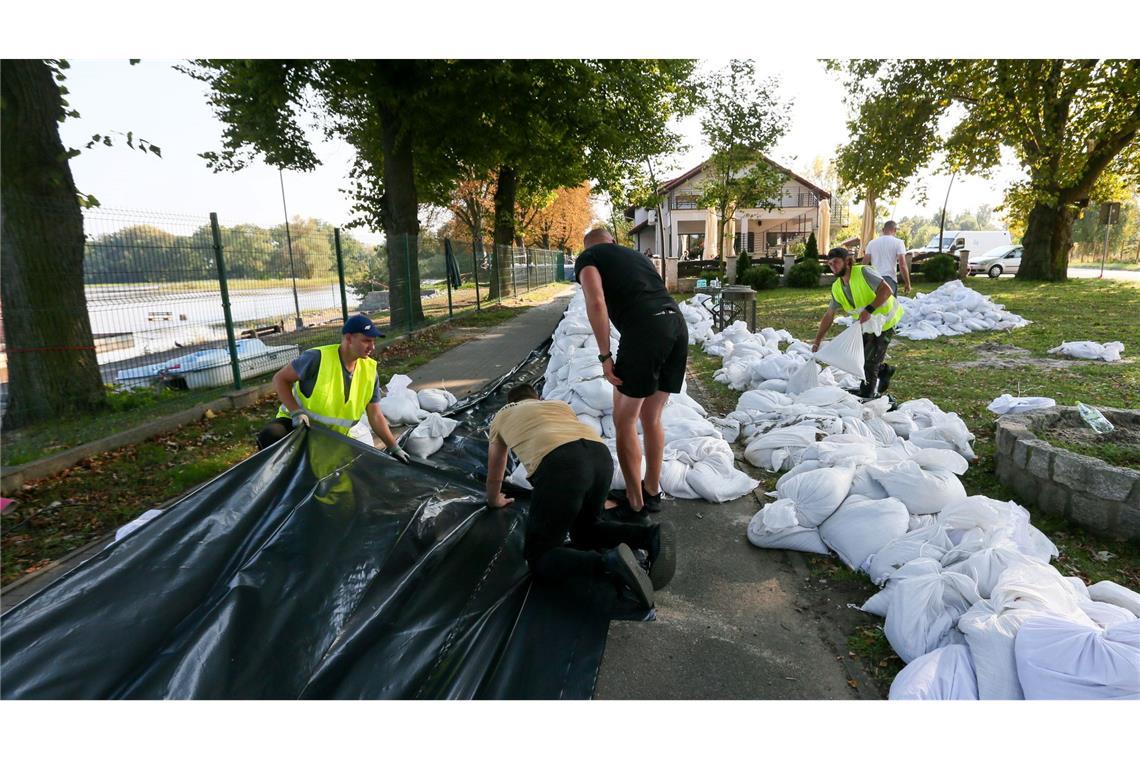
(652, 355)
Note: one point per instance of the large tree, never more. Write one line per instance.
(399, 115)
(52, 367)
(1067, 122)
(741, 120)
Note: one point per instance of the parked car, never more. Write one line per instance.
(995, 262)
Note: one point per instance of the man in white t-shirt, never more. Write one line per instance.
(887, 255)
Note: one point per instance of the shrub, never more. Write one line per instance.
(761, 277)
(805, 274)
(940, 268)
(811, 250)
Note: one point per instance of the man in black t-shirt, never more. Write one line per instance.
(622, 285)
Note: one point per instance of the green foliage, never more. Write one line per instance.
(941, 268)
(742, 119)
(805, 274)
(136, 398)
(762, 277)
(811, 249)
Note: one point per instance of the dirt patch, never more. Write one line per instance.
(1005, 356)
(1120, 448)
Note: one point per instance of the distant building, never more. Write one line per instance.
(801, 209)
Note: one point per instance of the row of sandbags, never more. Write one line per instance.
(1090, 349)
(951, 309)
(880, 487)
(425, 408)
(698, 461)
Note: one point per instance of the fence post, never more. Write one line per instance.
(408, 281)
(448, 256)
(514, 287)
(217, 234)
(498, 273)
(340, 273)
(475, 272)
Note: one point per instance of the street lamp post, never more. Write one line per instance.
(298, 323)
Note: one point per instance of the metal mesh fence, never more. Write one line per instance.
(178, 301)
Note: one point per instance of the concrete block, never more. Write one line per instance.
(1024, 485)
(1073, 470)
(1053, 498)
(1114, 483)
(1021, 452)
(1128, 524)
(1040, 460)
(1095, 514)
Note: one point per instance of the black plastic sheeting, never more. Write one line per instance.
(319, 568)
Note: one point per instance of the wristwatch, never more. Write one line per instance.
(607, 355)
(869, 309)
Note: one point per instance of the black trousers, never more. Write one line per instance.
(874, 351)
(570, 488)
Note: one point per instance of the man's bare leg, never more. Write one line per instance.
(626, 411)
(654, 433)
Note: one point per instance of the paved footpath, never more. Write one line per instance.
(736, 622)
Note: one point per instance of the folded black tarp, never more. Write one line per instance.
(319, 568)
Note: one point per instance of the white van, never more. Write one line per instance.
(970, 242)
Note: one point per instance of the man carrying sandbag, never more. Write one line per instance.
(571, 470)
(333, 386)
(623, 286)
(861, 292)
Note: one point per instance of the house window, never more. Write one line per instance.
(684, 202)
(692, 245)
(751, 242)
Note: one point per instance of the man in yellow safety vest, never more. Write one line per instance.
(861, 292)
(333, 386)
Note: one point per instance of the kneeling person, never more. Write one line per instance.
(571, 471)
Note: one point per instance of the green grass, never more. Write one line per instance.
(1112, 453)
(1126, 266)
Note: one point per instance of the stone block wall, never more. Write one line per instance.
(1088, 491)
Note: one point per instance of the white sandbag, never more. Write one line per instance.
(951, 435)
(941, 459)
(990, 626)
(779, 448)
(828, 395)
(973, 518)
(900, 422)
(946, 673)
(805, 378)
(688, 427)
(805, 465)
(401, 406)
(1089, 349)
(987, 564)
(1061, 659)
(924, 610)
(727, 428)
(428, 436)
(715, 483)
(866, 486)
(775, 527)
(1114, 593)
(844, 352)
(593, 422)
(762, 401)
(1105, 615)
(596, 392)
(928, 541)
(879, 603)
(674, 475)
(1007, 404)
(435, 399)
(861, 527)
(842, 449)
(518, 478)
(817, 493)
(581, 408)
(923, 491)
(609, 430)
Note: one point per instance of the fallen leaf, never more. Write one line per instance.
(852, 683)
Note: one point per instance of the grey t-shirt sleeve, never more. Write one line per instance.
(872, 277)
(307, 366)
(376, 391)
(834, 305)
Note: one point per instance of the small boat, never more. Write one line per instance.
(211, 367)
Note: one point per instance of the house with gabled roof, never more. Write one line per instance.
(688, 231)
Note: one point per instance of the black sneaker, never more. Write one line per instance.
(885, 377)
(623, 512)
(652, 502)
(662, 555)
(622, 566)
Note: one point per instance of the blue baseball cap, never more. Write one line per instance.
(361, 324)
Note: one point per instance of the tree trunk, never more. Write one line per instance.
(52, 367)
(505, 191)
(400, 217)
(1048, 237)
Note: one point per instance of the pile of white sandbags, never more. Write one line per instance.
(962, 575)
(698, 461)
(1089, 349)
(952, 309)
(401, 405)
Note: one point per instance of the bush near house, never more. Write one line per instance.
(805, 274)
(761, 277)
